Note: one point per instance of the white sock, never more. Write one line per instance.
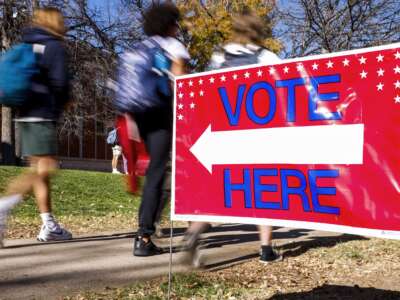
(9, 202)
(49, 221)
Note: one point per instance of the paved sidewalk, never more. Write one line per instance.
(32, 270)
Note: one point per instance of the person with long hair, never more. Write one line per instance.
(37, 121)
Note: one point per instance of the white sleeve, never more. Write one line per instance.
(176, 49)
(268, 57)
(217, 59)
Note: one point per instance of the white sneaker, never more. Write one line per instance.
(47, 235)
(115, 171)
(6, 204)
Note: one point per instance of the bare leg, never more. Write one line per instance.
(125, 164)
(22, 185)
(43, 166)
(197, 228)
(190, 239)
(114, 162)
(37, 179)
(13, 196)
(265, 233)
(267, 253)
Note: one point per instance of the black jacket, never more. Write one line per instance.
(50, 90)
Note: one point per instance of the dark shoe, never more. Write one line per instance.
(141, 248)
(267, 255)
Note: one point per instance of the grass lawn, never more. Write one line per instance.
(90, 202)
(85, 202)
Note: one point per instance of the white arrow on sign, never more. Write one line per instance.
(326, 144)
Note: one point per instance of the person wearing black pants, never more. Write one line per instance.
(156, 132)
(155, 126)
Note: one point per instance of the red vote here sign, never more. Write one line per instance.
(310, 143)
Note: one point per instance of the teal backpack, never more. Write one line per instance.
(17, 68)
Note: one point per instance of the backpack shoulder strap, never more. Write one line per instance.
(41, 86)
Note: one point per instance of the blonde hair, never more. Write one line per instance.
(248, 27)
(50, 19)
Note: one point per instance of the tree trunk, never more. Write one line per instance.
(17, 143)
(7, 137)
(81, 137)
(7, 128)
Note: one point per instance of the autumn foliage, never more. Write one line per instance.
(207, 25)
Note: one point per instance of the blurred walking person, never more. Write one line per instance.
(37, 116)
(244, 48)
(145, 93)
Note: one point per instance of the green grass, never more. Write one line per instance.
(79, 193)
(184, 286)
(192, 285)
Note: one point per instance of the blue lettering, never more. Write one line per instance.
(245, 187)
(233, 110)
(233, 117)
(291, 84)
(299, 190)
(316, 191)
(315, 97)
(250, 102)
(259, 188)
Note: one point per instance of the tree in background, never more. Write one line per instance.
(13, 15)
(315, 26)
(98, 34)
(95, 37)
(208, 24)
